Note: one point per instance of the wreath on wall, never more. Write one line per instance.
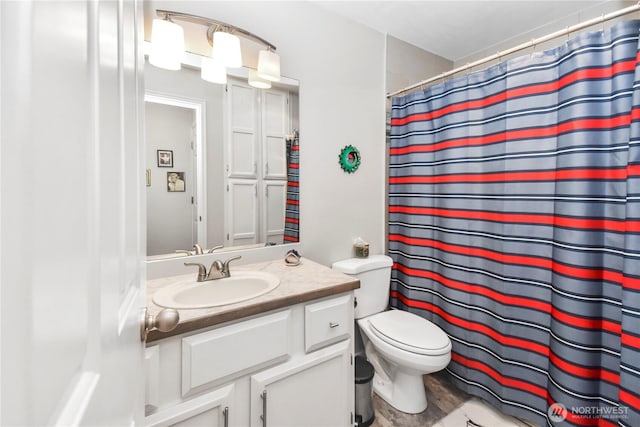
(349, 159)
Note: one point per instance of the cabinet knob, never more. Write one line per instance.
(166, 320)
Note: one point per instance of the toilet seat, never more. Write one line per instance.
(410, 332)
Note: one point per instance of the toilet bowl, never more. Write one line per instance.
(401, 346)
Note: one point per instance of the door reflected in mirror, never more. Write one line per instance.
(235, 149)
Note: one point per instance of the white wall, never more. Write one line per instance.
(169, 214)
(188, 84)
(408, 64)
(340, 65)
(561, 22)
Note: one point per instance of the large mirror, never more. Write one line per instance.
(222, 162)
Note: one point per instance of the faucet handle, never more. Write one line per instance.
(182, 251)
(202, 270)
(225, 265)
(210, 251)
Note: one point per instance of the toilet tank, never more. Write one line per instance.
(374, 274)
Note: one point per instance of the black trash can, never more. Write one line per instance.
(364, 393)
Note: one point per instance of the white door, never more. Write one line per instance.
(193, 179)
(71, 233)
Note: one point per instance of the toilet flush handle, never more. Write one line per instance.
(333, 325)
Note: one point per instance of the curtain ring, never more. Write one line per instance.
(533, 47)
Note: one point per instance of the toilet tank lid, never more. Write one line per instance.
(359, 265)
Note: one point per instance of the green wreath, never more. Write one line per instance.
(349, 159)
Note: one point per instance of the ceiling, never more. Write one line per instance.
(457, 29)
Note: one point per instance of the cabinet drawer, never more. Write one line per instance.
(327, 322)
(235, 350)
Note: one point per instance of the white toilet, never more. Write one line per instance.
(400, 345)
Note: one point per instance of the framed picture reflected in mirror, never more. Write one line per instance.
(165, 158)
(175, 181)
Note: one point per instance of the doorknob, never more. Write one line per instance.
(166, 320)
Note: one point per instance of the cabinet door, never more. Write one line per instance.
(211, 409)
(275, 198)
(275, 127)
(242, 150)
(242, 217)
(315, 390)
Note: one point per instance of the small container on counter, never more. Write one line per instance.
(361, 248)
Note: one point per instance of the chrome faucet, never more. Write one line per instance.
(197, 250)
(218, 270)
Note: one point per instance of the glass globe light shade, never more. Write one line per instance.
(167, 44)
(226, 49)
(213, 71)
(257, 82)
(269, 65)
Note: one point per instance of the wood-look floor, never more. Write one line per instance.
(443, 398)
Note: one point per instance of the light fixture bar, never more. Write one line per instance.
(213, 26)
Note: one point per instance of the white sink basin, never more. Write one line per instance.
(241, 286)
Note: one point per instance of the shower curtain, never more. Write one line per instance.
(292, 215)
(514, 225)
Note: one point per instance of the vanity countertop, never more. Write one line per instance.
(304, 282)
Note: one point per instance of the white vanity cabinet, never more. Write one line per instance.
(286, 367)
(211, 409)
(309, 391)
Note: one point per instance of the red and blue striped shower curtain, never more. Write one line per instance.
(514, 225)
(292, 206)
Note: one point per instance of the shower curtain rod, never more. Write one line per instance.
(532, 43)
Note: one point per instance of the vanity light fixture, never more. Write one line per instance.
(257, 82)
(226, 52)
(213, 71)
(269, 65)
(167, 49)
(226, 49)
